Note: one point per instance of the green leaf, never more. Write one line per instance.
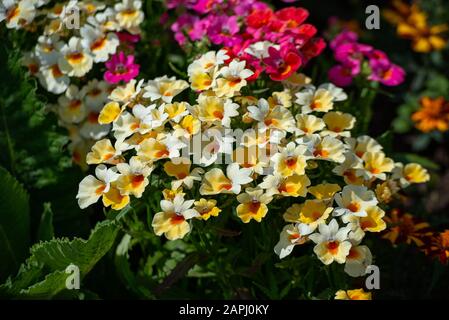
(46, 230)
(14, 224)
(43, 275)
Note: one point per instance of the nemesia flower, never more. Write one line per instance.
(172, 220)
(351, 55)
(331, 243)
(164, 88)
(324, 191)
(358, 259)
(206, 208)
(129, 15)
(16, 13)
(133, 177)
(270, 158)
(288, 239)
(410, 173)
(121, 68)
(356, 294)
(93, 188)
(216, 182)
(354, 200)
(253, 204)
(439, 247)
(280, 64)
(75, 61)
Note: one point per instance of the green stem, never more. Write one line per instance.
(8, 139)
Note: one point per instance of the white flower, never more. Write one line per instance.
(92, 188)
(129, 14)
(288, 239)
(75, 61)
(232, 79)
(358, 259)
(354, 200)
(164, 88)
(331, 242)
(99, 44)
(260, 49)
(16, 13)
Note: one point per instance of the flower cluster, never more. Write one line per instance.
(405, 228)
(275, 42)
(412, 23)
(286, 140)
(76, 36)
(355, 58)
(432, 115)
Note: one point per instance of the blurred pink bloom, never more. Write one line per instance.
(121, 68)
(388, 74)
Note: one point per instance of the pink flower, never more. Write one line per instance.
(282, 63)
(353, 52)
(388, 74)
(205, 6)
(342, 38)
(121, 68)
(223, 29)
(341, 75)
(181, 27)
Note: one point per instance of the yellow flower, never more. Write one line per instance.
(172, 221)
(291, 160)
(314, 212)
(201, 81)
(376, 164)
(356, 294)
(176, 111)
(386, 190)
(292, 186)
(170, 194)
(180, 169)
(331, 242)
(338, 124)
(410, 173)
(328, 148)
(253, 204)
(373, 222)
(153, 150)
(215, 182)
(308, 124)
(134, 177)
(103, 152)
(280, 98)
(115, 198)
(206, 208)
(324, 191)
(187, 127)
(110, 112)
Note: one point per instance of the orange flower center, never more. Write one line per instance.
(333, 247)
(177, 219)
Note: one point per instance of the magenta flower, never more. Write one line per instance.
(223, 29)
(388, 74)
(121, 68)
(342, 38)
(341, 75)
(282, 63)
(181, 27)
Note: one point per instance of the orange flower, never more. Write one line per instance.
(411, 23)
(439, 247)
(404, 228)
(433, 115)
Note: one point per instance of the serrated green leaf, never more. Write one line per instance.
(14, 224)
(44, 276)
